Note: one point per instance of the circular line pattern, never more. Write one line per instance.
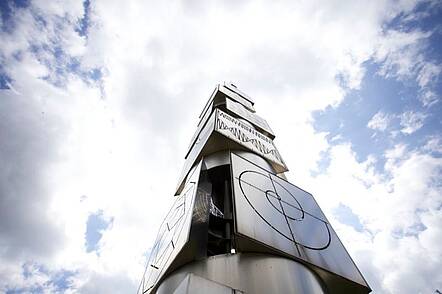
(281, 205)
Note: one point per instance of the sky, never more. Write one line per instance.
(99, 100)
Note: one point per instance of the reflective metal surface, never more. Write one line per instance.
(256, 159)
(193, 284)
(172, 235)
(251, 117)
(216, 159)
(233, 197)
(233, 130)
(278, 214)
(234, 94)
(220, 99)
(195, 152)
(206, 114)
(235, 89)
(249, 274)
(247, 136)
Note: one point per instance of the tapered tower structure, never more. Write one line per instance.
(237, 225)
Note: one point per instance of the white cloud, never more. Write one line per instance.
(434, 144)
(401, 53)
(116, 145)
(428, 73)
(412, 121)
(428, 98)
(380, 121)
(409, 121)
(402, 56)
(397, 213)
(393, 155)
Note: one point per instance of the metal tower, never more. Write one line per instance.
(237, 225)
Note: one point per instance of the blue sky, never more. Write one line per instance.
(377, 94)
(99, 99)
(390, 96)
(96, 223)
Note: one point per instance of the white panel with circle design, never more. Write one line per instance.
(276, 213)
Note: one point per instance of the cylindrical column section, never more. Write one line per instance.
(247, 273)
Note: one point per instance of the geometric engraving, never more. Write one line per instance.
(168, 235)
(172, 235)
(278, 215)
(283, 203)
(247, 136)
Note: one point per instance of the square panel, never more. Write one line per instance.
(173, 234)
(251, 117)
(246, 135)
(279, 215)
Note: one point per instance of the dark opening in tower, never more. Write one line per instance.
(220, 228)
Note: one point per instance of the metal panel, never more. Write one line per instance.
(201, 125)
(193, 284)
(194, 153)
(239, 132)
(234, 106)
(251, 117)
(208, 104)
(173, 233)
(244, 112)
(248, 137)
(278, 214)
(216, 159)
(250, 274)
(237, 97)
(256, 159)
(233, 88)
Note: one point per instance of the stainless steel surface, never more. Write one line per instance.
(278, 214)
(193, 284)
(233, 197)
(234, 131)
(257, 137)
(256, 159)
(216, 159)
(260, 123)
(223, 158)
(250, 138)
(172, 235)
(235, 89)
(239, 110)
(219, 99)
(225, 90)
(208, 104)
(249, 274)
(195, 152)
(202, 124)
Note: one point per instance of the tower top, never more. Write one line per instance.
(229, 121)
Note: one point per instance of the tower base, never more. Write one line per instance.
(242, 273)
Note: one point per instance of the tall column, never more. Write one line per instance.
(237, 225)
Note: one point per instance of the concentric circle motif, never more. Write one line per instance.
(279, 201)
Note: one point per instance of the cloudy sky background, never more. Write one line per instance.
(99, 100)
